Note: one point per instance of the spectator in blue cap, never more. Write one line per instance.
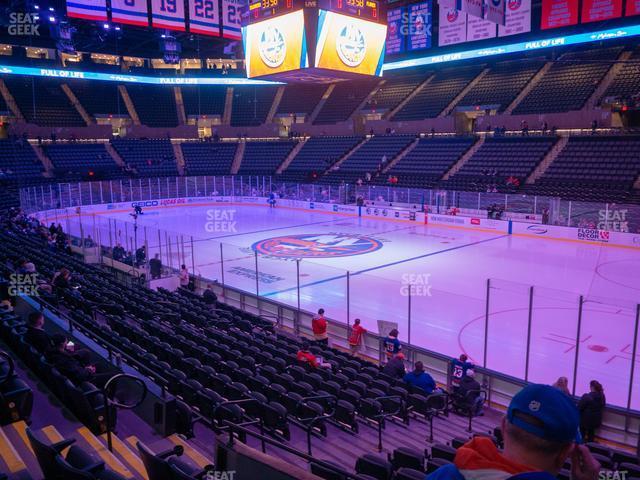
(540, 432)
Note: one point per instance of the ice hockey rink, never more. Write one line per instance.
(449, 269)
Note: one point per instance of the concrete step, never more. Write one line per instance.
(16, 456)
(192, 455)
(292, 154)
(274, 105)
(237, 158)
(88, 119)
(110, 460)
(464, 158)
(127, 455)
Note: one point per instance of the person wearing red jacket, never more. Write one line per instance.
(305, 357)
(355, 339)
(319, 327)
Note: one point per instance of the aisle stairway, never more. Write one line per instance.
(18, 460)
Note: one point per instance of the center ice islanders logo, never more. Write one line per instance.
(272, 47)
(314, 245)
(351, 45)
(452, 15)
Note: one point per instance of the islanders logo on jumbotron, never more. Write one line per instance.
(272, 47)
(452, 15)
(351, 45)
(317, 245)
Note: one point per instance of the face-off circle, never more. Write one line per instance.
(317, 245)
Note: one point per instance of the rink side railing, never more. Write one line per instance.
(502, 380)
(515, 206)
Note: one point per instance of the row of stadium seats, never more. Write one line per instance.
(317, 155)
(369, 157)
(208, 358)
(600, 168)
(263, 158)
(500, 158)
(569, 82)
(566, 86)
(18, 160)
(82, 161)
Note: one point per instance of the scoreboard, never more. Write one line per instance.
(314, 40)
(365, 9)
(262, 9)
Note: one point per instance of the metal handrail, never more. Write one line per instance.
(9, 374)
(108, 402)
(260, 421)
(311, 421)
(380, 418)
(308, 458)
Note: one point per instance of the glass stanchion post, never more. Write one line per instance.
(348, 301)
(222, 266)
(526, 365)
(193, 257)
(577, 355)
(634, 354)
(169, 249)
(257, 278)
(486, 324)
(296, 325)
(409, 314)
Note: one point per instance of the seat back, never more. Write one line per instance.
(435, 463)
(408, 474)
(374, 466)
(178, 474)
(408, 458)
(440, 450)
(326, 473)
(157, 468)
(45, 454)
(437, 402)
(69, 472)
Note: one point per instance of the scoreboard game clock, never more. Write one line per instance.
(262, 9)
(365, 9)
(314, 40)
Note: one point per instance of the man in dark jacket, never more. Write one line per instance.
(118, 252)
(35, 335)
(420, 379)
(209, 296)
(469, 391)
(155, 266)
(66, 363)
(591, 407)
(395, 367)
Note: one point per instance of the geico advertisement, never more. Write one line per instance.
(350, 44)
(275, 45)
